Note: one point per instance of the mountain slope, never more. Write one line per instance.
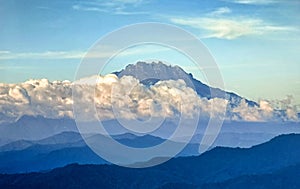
(36, 127)
(150, 73)
(66, 148)
(287, 177)
(59, 139)
(216, 166)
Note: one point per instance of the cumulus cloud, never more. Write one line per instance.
(291, 114)
(124, 97)
(286, 104)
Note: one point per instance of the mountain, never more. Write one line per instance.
(66, 148)
(16, 156)
(277, 159)
(287, 177)
(151, 73)
(55, 151)
(36, 128)
(58, 139)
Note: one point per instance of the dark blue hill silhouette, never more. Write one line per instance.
(287, 177)
(67, 137)
(151, 73)
(66, 148)
(233, 168)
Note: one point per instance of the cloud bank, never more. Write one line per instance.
(125, 98)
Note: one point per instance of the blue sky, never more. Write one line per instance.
(255, 42)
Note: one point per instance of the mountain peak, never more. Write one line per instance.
(151, 73)
(154, 71)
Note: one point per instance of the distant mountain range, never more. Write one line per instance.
(66, 148)
(274, 164)
(27, 147)
(35, 128)
(151, 73)
(287, 177)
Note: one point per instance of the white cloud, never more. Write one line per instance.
(4, 52)
(243, 111)
(122, 98)
(291, 114)
(266, 106)
(230, 28)
(256, 2)
(264, 112)
(8, 55)
(119, 7)
(42, 55)
(82, 8)
(221, 11)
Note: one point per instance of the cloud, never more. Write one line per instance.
(291, 114)
(4, 52)
(221, 11)
(266, 106)
(118, 7)
(288, 105)
(125, 98)
(7, 55)
(230, 28)
(82, 8)
(255, 2)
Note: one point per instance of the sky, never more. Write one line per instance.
(254, 42)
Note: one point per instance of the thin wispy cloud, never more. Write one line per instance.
(254, 2)
(4, 52)
(83, 8)
(221, 11)
(230, 28)
(8, 55)
(118, 7)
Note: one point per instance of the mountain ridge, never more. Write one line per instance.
(151, 73)
(219, 165)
